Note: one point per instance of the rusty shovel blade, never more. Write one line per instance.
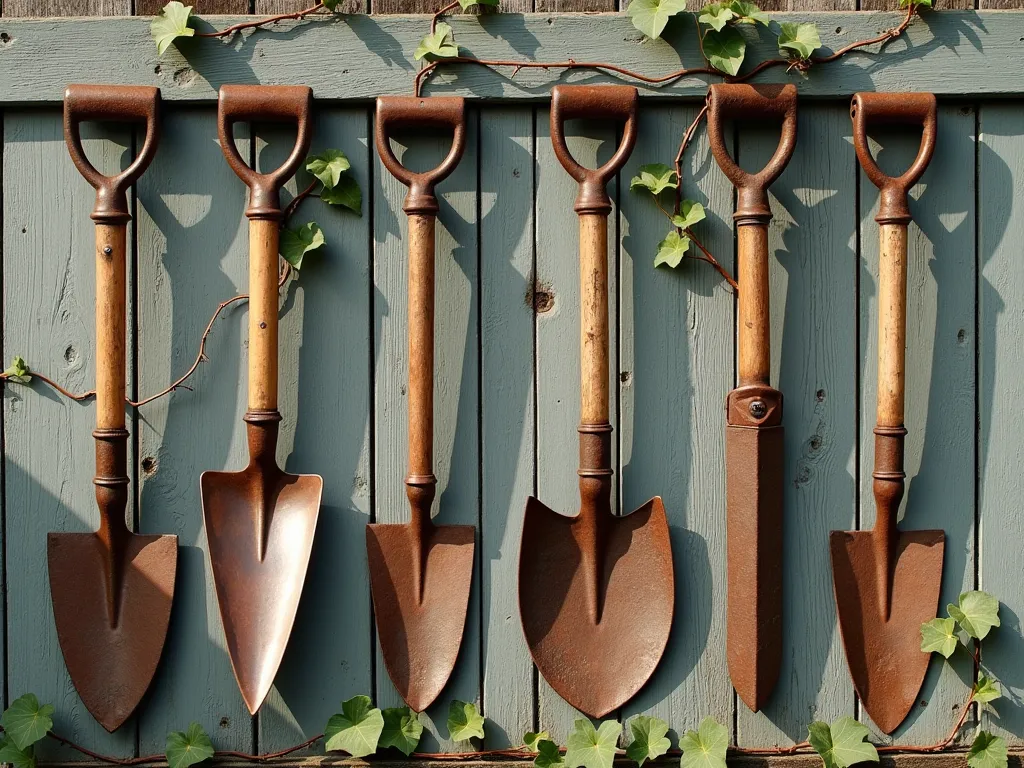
(596, 617)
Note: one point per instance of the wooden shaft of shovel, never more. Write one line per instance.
(594, 318)
(263, 312)
(753, 302)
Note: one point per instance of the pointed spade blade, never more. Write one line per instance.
(258, 597)
(884, 655)
(596, 667)
(111, 666)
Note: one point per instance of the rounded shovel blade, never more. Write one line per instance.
(420, 623)
(884, 653)
(260, 528)
(111, 662)
(596, 666)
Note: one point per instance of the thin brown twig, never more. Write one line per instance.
(687, 138)
(295, 202)
(711, 260)
(77, 397)
(438, 14)
(296, 16)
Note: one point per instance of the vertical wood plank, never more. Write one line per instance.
(325, 400)
(274, 7)
(49, 298)
(456, 382)
(44, 8)
(193, 246)
(940, 400)
(200, 7)
(813, 279)
(558, 344)
(1000, 392)
(3, 427)
(507, 411)
(676, 337)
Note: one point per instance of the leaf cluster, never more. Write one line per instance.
(25, 722)
(655, 179)
(18, 371)
(974, 614)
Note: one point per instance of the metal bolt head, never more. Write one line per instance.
(758, 409)
(107, 250)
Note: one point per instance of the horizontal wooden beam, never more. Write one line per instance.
(950, 53)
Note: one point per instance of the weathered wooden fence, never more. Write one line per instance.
(507, 375)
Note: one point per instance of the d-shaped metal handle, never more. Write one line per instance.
(894, 109)
(114, 103)
(414, 111)
(752, 103)
(597, 102)
(264, 103)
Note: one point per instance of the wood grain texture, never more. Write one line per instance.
(941, 56)
(47, 8)
(507, 411)
(940, 375)
(274, 7)
(456, 381)
(199, 7)
(676, 346)
(193, 254)
(49, 296)
(813, 278)
(1000, 390)
(325, 360)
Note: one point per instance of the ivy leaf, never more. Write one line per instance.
(672, 249)
(655, 178)
(592, 748)
(976, 614)
(916, 3)
(467, 4)
(328, 166)
(939, 636)
(548, 755)
(331, 5)
(438, 45)
(356, 730)
(11, 755)
(296, 243)
(651, 16)
(464, 722)
(18, 371)
(705, 747)
(986, 690)
(649, 742)
(691, 213)
(841, 744)
(725, 50)
(345, 193)
(798, 41)
(748, 13)
(188, 748)
(402, 730)
(171, 24)
(25, 722)
(532, 740)
(987, 751)
(716, 15)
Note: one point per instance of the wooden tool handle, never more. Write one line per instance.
(110, 325)
(594, 318)
(892, 324)
(263, 311)
(421, 345)
(753, 305)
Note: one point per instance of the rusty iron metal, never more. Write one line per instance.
(754, 445)
(111, 590)
(887, 581)
(580, 577)
(260, 521)
(420, 573)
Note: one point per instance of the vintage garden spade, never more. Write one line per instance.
(111, 589)
(887, 581)
(420, 573)
(260, 521)
(753, 410)
(596, 591)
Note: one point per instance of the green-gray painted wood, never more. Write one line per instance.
(813, 263)
(507, 411)
(49, 299)
(943, 53)
(325, 399)
(193, 254)
(675, 367)
(456, 382)
(940, 402)
(1000, 392)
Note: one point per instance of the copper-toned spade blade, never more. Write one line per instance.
(596, 665)
(884, 653)
(420, 633)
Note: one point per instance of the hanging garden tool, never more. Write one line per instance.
(596, 591)
(753, 410)
(111, 589)
(887, 581)
(260, 521)
(420, 573)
